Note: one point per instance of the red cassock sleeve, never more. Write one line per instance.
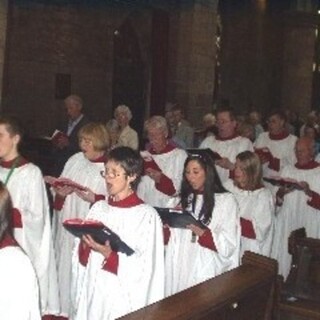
(247, 229)
(207, 241)
(84, 253)
(314, 202)
(112, 263)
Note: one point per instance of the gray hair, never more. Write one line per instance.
(158, 122)
(112, 125)
(122, 108)
(74, 98)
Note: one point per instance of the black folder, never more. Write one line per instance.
(178, 218)
(99, 232)
(281, 182)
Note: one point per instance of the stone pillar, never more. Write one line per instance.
(3, 32)
(192, 48)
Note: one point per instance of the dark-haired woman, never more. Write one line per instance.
(19, 294)
(194, 255)
(107, 284)
(255, 203)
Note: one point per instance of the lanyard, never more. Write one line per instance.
(14, 165)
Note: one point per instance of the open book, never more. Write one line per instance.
(99, 232)
(284, 182)
(61, 182)
(178, 218)
(57, 136)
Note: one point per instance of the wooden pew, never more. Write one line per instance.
(245, 293)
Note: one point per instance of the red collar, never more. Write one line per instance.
(280, 136)
(130, 201)
(235, 135)
(8, 164)
(8, 241)
(169, 147)
(102, 159)
(310, 165)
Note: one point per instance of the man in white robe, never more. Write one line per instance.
(110, 288)
(227, 144)
(297, 208)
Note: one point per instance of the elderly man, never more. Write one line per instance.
(127, 136)
(66, 144)
(227, 144)
(298, 205)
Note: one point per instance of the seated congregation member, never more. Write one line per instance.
(19, 294)
(31, 218)
(83, 168)
(297, 208)
(127, 137)
(194, 255)
(276, 146)
(255, 202)
(107, 284)
(227, 143)
(163, 166)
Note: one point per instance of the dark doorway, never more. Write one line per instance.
(128, 80)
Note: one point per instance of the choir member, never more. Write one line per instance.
(106, 283)
(297, 207)
(227, 144)
(17, 277)
(255, 202)
(83, 168)
(194, 255)
(163, 166)
(31, 218)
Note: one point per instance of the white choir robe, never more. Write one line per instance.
(228, 148)
(99, 294)
(171, 164)
(188, 263)
(29, 196)
(19, 294)
(295, 213)
(79, 169)
(281, 149)
(258, 207)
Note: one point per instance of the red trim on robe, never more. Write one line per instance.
(112, 263)
(274, 163)
(166, 235)
(16, 218)
(102, 159)
(131, 201)
(169, 147)
(247, 229)
(8, 241)
(99, 197)
(206, 240)
(58, 202)
(308, 166)
(283, 135)
(234, 135)
(166, 186)
(314, 202)
(83, 253)
(52, 317)
(8, 164)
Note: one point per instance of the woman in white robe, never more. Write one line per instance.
(163, 166)
(194, 255)
(19, 294)
(83, 168)
(31, 218)
(256, 205)
(106, 283)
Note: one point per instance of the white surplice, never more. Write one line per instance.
(188, 263)
(99, 294)
(87, 173)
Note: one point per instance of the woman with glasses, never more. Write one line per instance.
(106, 283)
(255, 203)
(83, 168)
(196, 254)
(19, 294)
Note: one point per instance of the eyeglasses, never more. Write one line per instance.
(111, 174)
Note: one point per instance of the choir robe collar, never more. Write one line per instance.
(131, 201)
(280, 136)
(8, 241)
(169, 147)
(102, 159)
(308, 166)
(235, 135)
(8, 164)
